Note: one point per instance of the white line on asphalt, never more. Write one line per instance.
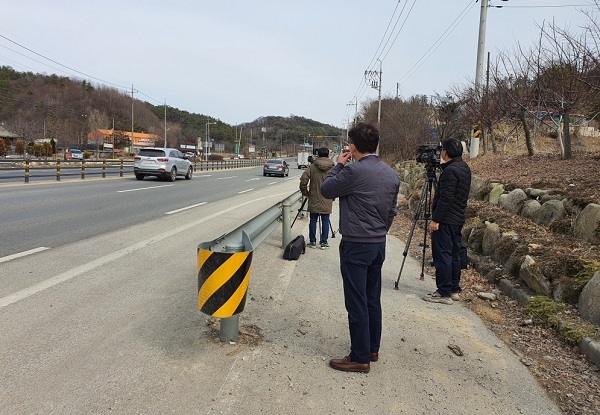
(205, 175)
(272, 183)
(186, 208)
(256, 178)
(144, 188)
(223, 178)
(245, 191)
(22, 254)
(65, 276)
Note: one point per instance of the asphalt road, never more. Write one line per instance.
(50, 214)
(108, 323)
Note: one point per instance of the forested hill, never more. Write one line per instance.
(37, 106)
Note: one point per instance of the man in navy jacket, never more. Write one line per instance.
(368, 193)
(447, 220)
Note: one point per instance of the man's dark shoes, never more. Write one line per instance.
(374, 357)
(347, 365)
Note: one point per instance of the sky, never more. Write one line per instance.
(238, 60)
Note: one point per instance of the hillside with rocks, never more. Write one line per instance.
(549, 351)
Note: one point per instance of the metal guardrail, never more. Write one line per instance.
(224, 264)
(23, 168)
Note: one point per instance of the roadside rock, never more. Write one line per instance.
(587, 224)
(551, 211)
(514, 201)
(589, 300)
(533, 277)
(530, 209)
(495, 193)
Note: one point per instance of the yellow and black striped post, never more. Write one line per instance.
(58, 170)
(223, 282)
(223, 279)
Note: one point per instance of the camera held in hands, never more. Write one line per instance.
(429, 154)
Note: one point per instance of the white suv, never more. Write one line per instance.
(74, 154)
(167, 163)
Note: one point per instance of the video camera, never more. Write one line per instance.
(429, 154)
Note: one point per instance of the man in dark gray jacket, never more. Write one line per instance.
(368, 193)
(447, 219)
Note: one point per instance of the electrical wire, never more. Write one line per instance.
(437, 43)
(400, 30)
(124, 88)
(64, 66)
(361, 86)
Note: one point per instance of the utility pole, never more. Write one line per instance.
(165, 123)
(208, 123)
(373, 78)
(132, 140)
(479, 70)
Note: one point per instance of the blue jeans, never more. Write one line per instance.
(361, 264)
(445, 249)
(312, 228)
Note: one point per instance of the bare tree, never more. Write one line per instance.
(404, 125)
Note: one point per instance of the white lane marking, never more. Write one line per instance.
(223, 178)
(256, 178)
(144, 188)
(22, 254)
(72, 273)
(244, 191)
(204, 175)
(271, 183)
(186, 208)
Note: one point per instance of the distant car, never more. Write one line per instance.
(164, 163)
(74, 154)
(278, 167)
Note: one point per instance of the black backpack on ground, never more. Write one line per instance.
(296, 247)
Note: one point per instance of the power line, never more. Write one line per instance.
(437, 43)
(64, 66)
(400, 30)
(67, 67)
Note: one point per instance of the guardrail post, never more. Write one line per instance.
(82, 169)
(121, 169)
(26, 171)
(286, 233)
(230, 326)
(103, 168)
(58, 170)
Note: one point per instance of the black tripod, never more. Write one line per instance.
(300, 210)
(424, 203)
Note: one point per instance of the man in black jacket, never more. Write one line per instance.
(447, 220)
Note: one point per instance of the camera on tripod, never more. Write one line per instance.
(429, 154)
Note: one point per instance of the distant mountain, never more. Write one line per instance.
(37, 106)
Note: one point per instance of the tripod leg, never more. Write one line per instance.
(412, 230)
(299, 211)
(427, 217)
